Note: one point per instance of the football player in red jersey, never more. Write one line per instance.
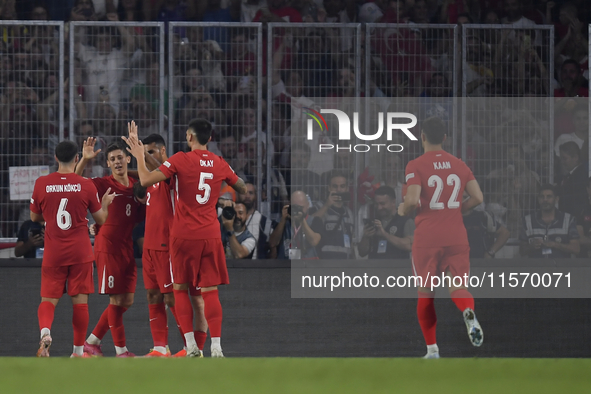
(435, 184)
(61, 200)
(157, 267)
(113, 247)
(196, 247)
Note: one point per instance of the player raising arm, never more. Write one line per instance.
(435, 184)
(61, 200)
(113, 247)
(196, 248)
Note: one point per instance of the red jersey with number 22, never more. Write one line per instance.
(442, 178)
(159, 216)
(63, 200)
(198, 180)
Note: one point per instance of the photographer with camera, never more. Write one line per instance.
(297, 234)
(238, 242)
(337, 219)
(30, 241)
(389, 236)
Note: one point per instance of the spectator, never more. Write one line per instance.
(514, 18)
(572, 193)
(30, 240)
(299, 176)
(315, 58)
(572, 82)
(386, 235)
(584, 223)
(278, 11)
(478, 76)
(486, 235)
(258, 224)
(297, 235)
(105, 65)
(83, 11)
(581, 128)
(215, 13)
(238, 242)
(337, 218)
(248, 8)
(548, 232)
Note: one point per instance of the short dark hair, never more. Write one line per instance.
(202, 129)
(116, 146)
(154, 138)
(549, 186)
(66, 151)
(570, 148)
(434, 129)
(573, 62)
(385, 191)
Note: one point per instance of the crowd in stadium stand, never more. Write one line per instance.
(116, 78)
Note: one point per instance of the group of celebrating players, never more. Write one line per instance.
(183, 256)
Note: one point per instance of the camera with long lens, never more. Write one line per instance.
(228, 213)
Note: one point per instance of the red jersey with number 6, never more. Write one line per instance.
(159, 216)
(115, 236)
(442, 178)
(63, 200)
(198, 179)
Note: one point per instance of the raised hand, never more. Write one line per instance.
(132, 130)
(88, 151)
(136, 147)
(107, 199)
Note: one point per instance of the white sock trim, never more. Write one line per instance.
(432, 349)
(190, 339)
(45, 331)
(216, 342)
(120, 350)
(161, 349)
(79, 350)
(93, 340)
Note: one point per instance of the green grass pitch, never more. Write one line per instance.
(294, 375)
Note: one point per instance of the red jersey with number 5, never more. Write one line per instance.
(115, 236)
(63, 200)
(198, 180)
(442, 178)
(159, 216)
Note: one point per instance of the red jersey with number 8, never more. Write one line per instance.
(199, 175)
(442, 178)
(63, 200)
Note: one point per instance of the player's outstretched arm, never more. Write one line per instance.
(136, 148)
(239, 186)
(88, 153)
(476, 197)
(100, 216)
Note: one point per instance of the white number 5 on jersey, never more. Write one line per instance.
(436, 182)
(205, 187)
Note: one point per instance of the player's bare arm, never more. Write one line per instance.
(476, 198)
(239, 186)
(100, 216)
(35, 217)
(411, 200)
(136, 148)
(88, 153)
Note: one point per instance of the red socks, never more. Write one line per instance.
(184, 310)
(200, 338)
(45, 314)
(158, 324)
(427, 317)
(213, 312)
(463, 299)
(115, 315)
(178, 325)
(80, 323)
(102, 326)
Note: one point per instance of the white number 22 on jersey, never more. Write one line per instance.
(205, 187)
(436, 182)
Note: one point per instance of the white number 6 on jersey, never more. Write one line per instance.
(64, 219)
(205, 187)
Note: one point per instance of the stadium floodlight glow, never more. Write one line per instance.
(344, 133)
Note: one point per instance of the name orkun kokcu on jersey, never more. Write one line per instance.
(70, 187)
(345, 131)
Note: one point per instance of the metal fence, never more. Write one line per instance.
(116, 73)
(119, 71)
(31, 114)
(216, 73)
